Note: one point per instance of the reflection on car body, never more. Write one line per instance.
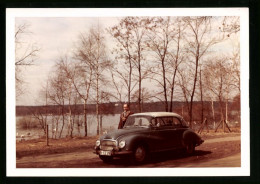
(145, 133)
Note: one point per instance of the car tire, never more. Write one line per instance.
(190, 148)
(106, 159)
(140, 154)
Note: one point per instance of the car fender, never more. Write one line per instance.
(133, 140)
(190, 136)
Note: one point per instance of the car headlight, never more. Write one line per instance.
(98, 143)
(121, 144)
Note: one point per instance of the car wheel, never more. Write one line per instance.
(190, 148)
(106, 159)
(140, 154)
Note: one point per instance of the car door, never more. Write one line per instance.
(163, 134)
(178, 130)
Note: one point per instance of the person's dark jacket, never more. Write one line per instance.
(123, 118)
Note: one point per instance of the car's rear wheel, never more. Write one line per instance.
(106, 159)
(190, 148)
(140, 154)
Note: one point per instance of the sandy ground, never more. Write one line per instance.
(218, 150)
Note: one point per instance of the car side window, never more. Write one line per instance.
(165, 122)
(141, 121)
(159, 122)
(154, 122)
(176, 122)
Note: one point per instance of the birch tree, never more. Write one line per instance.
(67, 67)
(83, 73)
(218, 79)
(60, 90)
(98, 59)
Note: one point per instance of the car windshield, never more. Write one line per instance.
(137, 121)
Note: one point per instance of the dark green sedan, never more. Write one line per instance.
(144, 133)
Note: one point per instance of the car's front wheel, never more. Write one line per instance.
(140, 154)
(106, 159)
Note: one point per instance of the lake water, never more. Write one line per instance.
(109, 122)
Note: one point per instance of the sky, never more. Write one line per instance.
(56, 34)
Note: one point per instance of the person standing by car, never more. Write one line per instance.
(124, 115)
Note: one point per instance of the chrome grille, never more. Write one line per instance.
(108, 144)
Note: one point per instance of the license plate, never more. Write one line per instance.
(107, 153)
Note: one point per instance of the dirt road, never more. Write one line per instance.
(216, 152)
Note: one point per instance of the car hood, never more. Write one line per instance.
(122, 132)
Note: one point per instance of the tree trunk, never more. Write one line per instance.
(201, 99)
(222, 113)
(213, 113)
(129, 82)
(69, 124)
(226, 111)
(140, 89)
(172, 90)
(164, 87)
(97, 107)
(221, 102)
(101, 118)
(175, 71)
(85, 118)
(63, 120)
(194, 86)
(140, 78)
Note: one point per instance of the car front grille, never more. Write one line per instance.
(108, 144)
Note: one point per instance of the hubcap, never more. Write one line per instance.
(140, 154)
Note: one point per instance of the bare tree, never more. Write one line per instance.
(118, 85)
(230, 25)
(41, 114)
(160, 35)
(218, 79)
(199, 38)
(130, 36)
(176, 58)
(25, 54)
(40, 117)
(164, 40)
(96, 57)
(146, 96)
(235, 62)
(83, 73)
(201, 94)
(124, 53)
(67, 67)
(184, 80)
(60, 88)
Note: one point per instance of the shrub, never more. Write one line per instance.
(27, 122)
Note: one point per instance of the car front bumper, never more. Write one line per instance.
(113, 153)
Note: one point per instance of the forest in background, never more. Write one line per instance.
(116, 108)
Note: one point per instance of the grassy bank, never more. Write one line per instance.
(64, 145)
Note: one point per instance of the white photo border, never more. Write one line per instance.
(12, 13)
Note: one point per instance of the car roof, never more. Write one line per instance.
(157, 114)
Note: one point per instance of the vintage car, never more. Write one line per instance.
(144, 133)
